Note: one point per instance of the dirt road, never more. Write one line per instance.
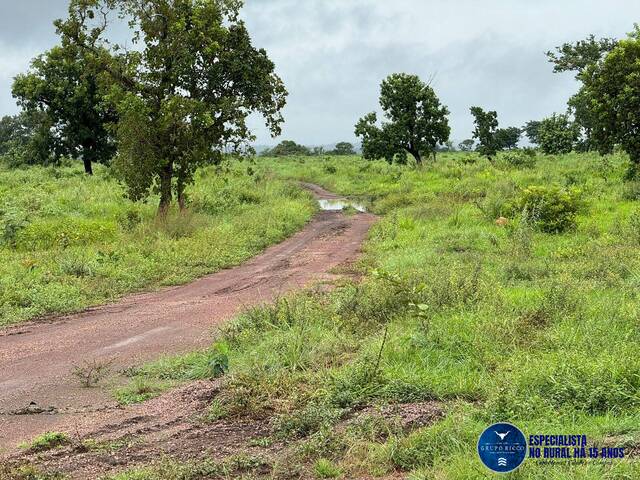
(37, 390)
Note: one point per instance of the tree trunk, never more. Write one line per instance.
(416, 155)
(165, 189)
(182, 201)
(88, 167)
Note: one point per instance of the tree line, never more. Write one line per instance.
(180, 98)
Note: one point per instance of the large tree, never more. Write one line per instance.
(184, 93)
(343, 148)
(416, 121)
(466, 145)
(62, 85)
(578, 57)
(287, 148)
(612, 88)
(26, 139)
(486, 127)
(557, 134)
(531, 130)
(508, 137)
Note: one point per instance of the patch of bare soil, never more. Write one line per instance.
(173, 426)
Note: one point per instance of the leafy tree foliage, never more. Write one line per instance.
(416, 121)
(531, 130)
(343, 148)
(557, 134)
(184, 96)
(612, 90)
(25, 139)
(508, 137)
(486, 126)
(62, 85)
(287, 148)
(466, 145)
(578, 57)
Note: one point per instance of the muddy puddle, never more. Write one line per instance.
(336, 205)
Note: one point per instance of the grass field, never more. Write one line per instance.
(68, 242)
(508, 321)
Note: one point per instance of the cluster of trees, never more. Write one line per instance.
(176, 101)
(290, 148)
(605, 110)
(180, 99)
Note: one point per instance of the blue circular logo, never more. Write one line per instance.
(502, 447)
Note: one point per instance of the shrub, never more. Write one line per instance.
(13, 221)
(553, 208)
(520, 159)
(330, 169)
(129, 219)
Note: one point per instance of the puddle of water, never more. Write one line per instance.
(336, 205)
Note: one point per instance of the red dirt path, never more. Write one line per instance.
(36, 359)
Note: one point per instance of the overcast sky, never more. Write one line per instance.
(333, 54)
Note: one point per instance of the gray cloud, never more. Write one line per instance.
(332, 54)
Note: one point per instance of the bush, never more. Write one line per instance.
(631, 190)
(552, 209)
(13, 221)
(520, 159)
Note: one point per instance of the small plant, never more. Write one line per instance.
(324, 468)
(47, 441)
(330, 169)
(92, 372)
(12, 221)
(129, 219)
(140, 390)
(218, 363)
(554, 209)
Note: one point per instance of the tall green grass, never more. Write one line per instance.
(68, 241)
(490, 322)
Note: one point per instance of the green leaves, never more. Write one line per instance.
(185, 96)
(557, 134)
(416, 121)
(486, 127)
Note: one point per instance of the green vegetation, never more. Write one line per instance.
(416, 122)
(486, 130)
(69, 241)
(47, 441)
(516, 322)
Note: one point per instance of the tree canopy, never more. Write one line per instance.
(343, 148)
(508, 137)
(531, 129)
(62, 85)
(486, 126)
(287, 148)
(416, 121)
(557, 134)
(578, 57)
(466, 145)
(612, 90)
(183, 97)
